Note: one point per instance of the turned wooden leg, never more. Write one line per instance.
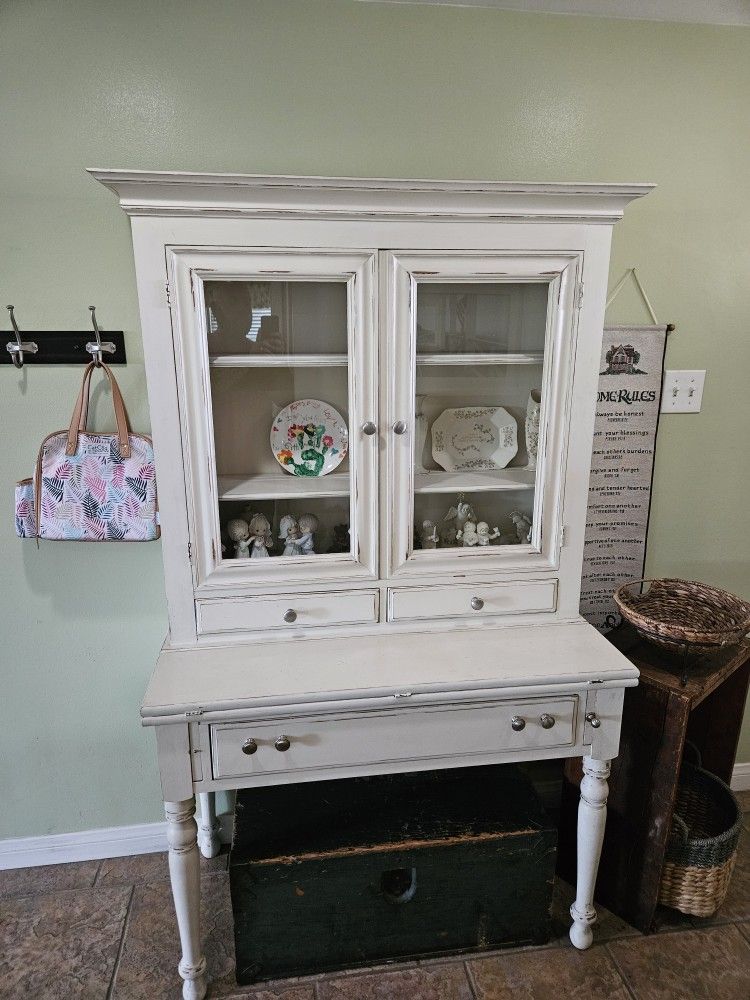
(208, 825)
(184, 872)
(592, 816)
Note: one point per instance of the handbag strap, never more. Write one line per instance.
(80, 412)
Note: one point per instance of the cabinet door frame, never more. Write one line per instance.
(400, 272)
(188, 268)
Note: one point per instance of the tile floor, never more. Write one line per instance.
(104, 930)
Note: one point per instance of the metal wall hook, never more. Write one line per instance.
(17, 350)
(96, 349)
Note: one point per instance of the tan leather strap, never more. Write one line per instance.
(80, 412)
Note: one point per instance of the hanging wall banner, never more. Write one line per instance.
(627, 417)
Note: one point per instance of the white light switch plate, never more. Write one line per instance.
(683, 392)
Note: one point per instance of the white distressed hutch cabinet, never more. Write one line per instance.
(423, 315)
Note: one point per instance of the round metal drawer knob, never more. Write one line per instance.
(249, 746)
(593, 720)
(282, 744)
(369, 428)
(476, 603)
(290, 616)
(399, 427)
(547, 721)
(517, 723)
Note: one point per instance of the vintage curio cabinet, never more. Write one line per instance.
(372, 406)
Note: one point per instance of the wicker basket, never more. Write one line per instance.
(684, 616)
(702, 843)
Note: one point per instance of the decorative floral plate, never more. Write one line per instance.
(474, 437)
(309, 438)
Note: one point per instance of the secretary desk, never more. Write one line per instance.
(428, 317)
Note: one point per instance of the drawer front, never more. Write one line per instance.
(475, 601)
(286, 611)
(398, 734)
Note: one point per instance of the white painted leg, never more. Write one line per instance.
(208, 825)
(592, 817)
(184, 872)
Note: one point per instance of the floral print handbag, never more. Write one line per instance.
(91, 487)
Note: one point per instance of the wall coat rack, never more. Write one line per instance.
(68, 347)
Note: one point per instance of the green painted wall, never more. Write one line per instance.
(331, 88)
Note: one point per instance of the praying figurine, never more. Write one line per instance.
(290, 534)
(522, 524)
(239, 532)
(428, 536)
(260, 536)
(308, 525)
(483, 533)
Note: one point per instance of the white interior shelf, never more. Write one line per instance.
(273, 486)
(535, 358)
(439, 481)
(278, 360)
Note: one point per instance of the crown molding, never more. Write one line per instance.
(729, 12)
(166, 193)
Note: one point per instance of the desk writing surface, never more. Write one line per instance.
(306, 669)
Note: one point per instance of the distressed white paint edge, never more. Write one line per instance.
(150, 838)
(728, 12)
(92, 845)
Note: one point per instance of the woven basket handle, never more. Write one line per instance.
(80, 412)
(679, 830)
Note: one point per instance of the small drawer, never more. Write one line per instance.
(414, 734)
(286, 611)
(476, 601)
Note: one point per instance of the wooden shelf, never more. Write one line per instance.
(536, 358)
(278, 360)
(279, 486)
(439, 481)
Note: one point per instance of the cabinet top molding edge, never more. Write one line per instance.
(179, 193)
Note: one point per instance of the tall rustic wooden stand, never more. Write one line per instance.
(659, 716)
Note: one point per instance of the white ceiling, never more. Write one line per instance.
(735, 12)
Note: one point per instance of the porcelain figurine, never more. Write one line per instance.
(260, 536)
(533, 407)
(468, 534)
(428, 536)
(290, 534)
(460, 514)
(239, 531)
(522, 524)
(483, 533)
(308, 525)
(341, 540)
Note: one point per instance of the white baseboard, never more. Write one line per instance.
(147, 838)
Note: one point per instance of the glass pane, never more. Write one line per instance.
(477, 413)
(281, 429)
(479, 318)
(276, 317)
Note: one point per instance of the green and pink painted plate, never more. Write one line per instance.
(309, 438)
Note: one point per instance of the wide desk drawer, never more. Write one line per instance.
(286, 611)
(479, 600)
(287, 745)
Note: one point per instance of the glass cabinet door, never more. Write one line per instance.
(478, 352)
(284, 469)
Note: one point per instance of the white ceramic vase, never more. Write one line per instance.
(533, 407)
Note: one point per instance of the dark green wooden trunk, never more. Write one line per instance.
(335, 874)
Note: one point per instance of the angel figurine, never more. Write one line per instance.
(459, 515)
(428, 536)
(522, 524)
(468, 534)
(308, 525)
(483, 533)
(260, 535)
(239, 532)
(290, 534)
